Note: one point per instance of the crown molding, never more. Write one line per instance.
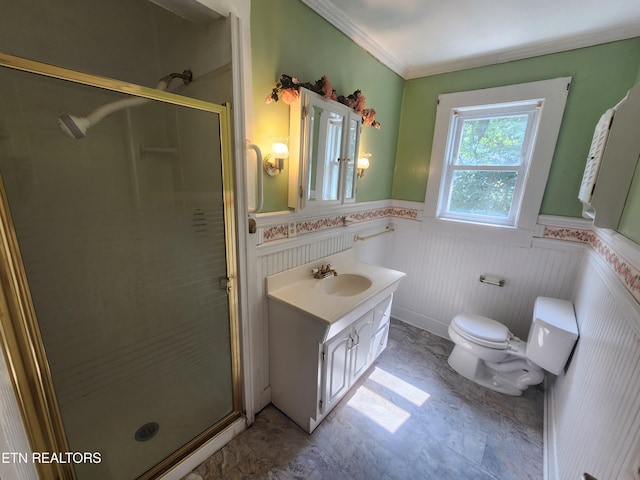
(338, 19)
(536, 50)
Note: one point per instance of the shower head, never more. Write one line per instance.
(74, 127)
(186, 76)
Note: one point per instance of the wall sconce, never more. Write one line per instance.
(274, 161)
(363, 163)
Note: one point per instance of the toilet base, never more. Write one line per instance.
(475, 369)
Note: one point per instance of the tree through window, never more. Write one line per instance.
(487, 159)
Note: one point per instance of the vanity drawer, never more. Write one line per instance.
(382, 313)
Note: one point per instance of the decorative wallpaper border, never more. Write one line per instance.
(276, 232)
(310, 226)
(282, 231)
(569, 234)
(406, 213)
(627, 273)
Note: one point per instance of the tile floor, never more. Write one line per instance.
(409, 417)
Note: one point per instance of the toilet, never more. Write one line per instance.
(488, 354)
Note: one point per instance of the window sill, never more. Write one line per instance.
(513, 236)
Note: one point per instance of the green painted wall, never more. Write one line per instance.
(288, 37)
(601, 77)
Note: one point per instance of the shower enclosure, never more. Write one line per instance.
(118, 267)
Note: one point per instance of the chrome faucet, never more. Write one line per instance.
(324, 272)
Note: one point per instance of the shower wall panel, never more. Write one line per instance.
(123, 240)
(130, 40)
(142, 218)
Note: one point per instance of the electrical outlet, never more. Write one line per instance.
(292, 230)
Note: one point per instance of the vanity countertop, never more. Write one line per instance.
(297, 288)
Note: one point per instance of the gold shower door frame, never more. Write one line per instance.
(19, 331)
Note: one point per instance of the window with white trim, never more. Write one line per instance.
(492, 150)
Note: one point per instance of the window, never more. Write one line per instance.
(491, 154)
(487, 158)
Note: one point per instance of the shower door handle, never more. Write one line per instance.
(225, 284)
(259, 179)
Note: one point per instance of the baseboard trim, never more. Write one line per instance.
(421, 321)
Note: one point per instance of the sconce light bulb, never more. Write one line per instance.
(280, 150)
(363, 163)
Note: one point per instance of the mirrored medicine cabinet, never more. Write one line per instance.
(324, 144)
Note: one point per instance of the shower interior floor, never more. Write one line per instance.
(410, 416)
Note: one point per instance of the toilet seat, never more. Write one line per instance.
(482, 330)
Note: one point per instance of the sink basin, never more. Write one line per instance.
(334, 300)
(344, 285)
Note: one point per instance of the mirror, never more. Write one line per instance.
(352, 159)
(324, 155)
(325, 138)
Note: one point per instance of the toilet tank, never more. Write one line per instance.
(554, 332)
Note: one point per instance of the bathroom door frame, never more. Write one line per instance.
(19, 332)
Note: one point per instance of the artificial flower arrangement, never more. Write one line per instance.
(288, 89)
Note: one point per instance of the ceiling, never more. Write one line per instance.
(417, 38)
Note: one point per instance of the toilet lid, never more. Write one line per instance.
(481, 329)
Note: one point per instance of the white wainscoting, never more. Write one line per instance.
(443, 278)
(594, 418)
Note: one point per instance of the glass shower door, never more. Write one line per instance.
(124, 237)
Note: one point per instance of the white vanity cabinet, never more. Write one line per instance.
(344, 359)
(325, 333)
(348, 355)
(380, 332)
(311, 372)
